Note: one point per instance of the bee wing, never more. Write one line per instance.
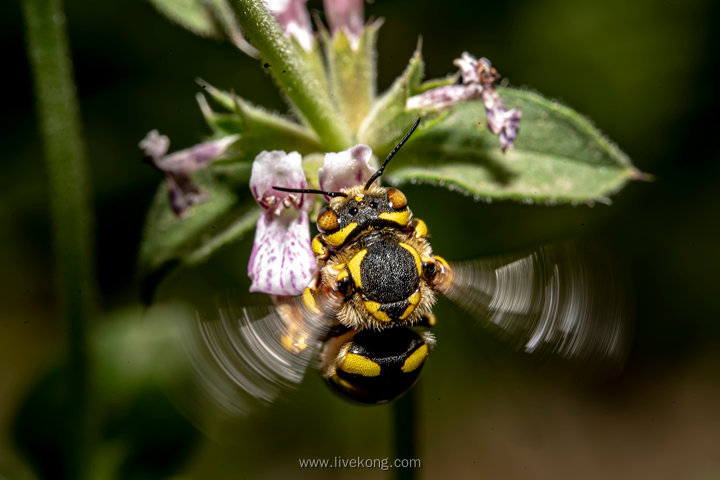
(567, 299)
(242, 356)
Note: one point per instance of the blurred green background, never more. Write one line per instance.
(645, 72)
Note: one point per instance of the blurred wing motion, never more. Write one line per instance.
(566, 299)
(242, 356)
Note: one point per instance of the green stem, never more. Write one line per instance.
(297, 80)
(405, 428)
(66, 164)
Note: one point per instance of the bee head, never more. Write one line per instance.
(354, 208)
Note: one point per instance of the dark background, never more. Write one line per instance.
(645, 72)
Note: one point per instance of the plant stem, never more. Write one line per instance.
(405, 429)
(292, 74)
(66, 164)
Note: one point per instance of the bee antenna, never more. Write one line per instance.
(310, 190)
(377, 174)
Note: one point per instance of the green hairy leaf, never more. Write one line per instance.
(169, 241)
(558, 156)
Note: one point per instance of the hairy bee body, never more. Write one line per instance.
(373, 257)
(382, 270)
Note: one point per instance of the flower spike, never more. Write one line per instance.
(478, 82)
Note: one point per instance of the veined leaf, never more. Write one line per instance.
(558, 155)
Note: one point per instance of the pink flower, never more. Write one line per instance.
(346, 169)
(281, 262)
(178, 166)
(478, 81)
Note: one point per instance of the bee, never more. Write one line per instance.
(365, 320)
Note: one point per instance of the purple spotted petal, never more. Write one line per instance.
(500, 121)
(277, 168)
(478, 81)
(346, 169)
(443, 97)
(186, 161)
(282, 262)
(294, 19)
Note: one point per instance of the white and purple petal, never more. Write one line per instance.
(478, 81)
(443, 97)
(500, 121)
(178, 166)
(279, 169)
(282, 261)
(346, 169)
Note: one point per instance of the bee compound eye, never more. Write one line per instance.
(327, 220)
(396, 198)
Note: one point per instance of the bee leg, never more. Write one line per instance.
(419, 228)
(319, 248)
(300, 314)
(294, 337)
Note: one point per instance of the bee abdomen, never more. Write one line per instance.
(376, 367)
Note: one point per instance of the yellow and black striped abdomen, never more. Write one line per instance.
(376, 367)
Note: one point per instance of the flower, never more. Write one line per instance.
(478, 81)
(178, 166)
(294, 20)
(345, 169)
(282, 261)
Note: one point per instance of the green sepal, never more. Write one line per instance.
(388, 119)
(352, 72)
(558, 156)
(259, 129)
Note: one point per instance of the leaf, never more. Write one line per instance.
(192, 15)
(558, 155)
(169, 242)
